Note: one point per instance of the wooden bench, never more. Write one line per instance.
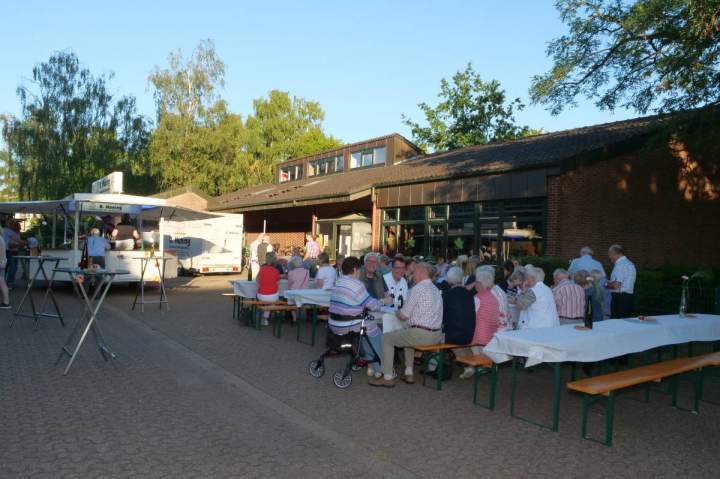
(275, 309)
(236, 304)
(606, 386)
(482, 365)
(437, 352)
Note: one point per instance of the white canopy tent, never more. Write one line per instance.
(100, 204)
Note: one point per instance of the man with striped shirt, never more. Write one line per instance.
(569, 298)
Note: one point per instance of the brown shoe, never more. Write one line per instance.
(408, 378)
(382, 382)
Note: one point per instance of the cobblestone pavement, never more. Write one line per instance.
(195, 394)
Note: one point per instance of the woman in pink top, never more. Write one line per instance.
(487, 312)
(298, 277)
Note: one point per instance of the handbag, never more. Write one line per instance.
(84, 259)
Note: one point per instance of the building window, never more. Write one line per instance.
(290, 173)
(493, 230)
(366, 158)
(326, 166)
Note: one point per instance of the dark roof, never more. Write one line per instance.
(351, 146)
(180, 191)
(534, 152)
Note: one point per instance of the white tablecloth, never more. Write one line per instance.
(608, 339)
(390, 322)
(320, 297)
(248, 289)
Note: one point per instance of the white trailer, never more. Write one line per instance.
(210, 245)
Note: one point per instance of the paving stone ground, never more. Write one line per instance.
(194, 393)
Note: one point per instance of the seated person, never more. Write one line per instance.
(424, 315)
(348, 301)
(268, 280)
(326, 275)
(536, 302)
(569, 298)
(458, 309)
(371, 277)
(395, 283)
(508, 268)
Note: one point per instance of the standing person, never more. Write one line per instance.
(593, 293)
(569, 297)
(13, 243)
(585, 261)
(268, 280)
(622, 283)
(424, 315)
(312, 248)
(97, 246)
(371, 277)
(254, 264)
(396, 284)
(326, 275)
(125, 235)
(536, 303)
(4, 295)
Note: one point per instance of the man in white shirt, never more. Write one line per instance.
(254, 265)
(326, 275)
(396, 284)
(423, 314)
(536, 303)
(585, 262)
(621, 284)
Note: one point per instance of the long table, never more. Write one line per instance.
(248, 289)
(608, 339)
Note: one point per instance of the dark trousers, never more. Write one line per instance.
(11, 268)
(622, 305)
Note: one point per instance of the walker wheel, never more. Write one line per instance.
(342, 378)
(316, 369)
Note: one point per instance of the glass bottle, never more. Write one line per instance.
(684, 297)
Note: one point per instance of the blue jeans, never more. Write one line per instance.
(11, 268)
(376, 342)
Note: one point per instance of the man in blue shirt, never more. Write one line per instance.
(585, 262)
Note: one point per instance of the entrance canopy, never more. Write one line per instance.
(108, 204)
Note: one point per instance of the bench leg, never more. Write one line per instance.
(440, 369)
(609, 418)
(586, 407)
(493, 385)
(480, 371)
(313, 327)
(513, 386)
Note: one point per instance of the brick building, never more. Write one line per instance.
(634, 182)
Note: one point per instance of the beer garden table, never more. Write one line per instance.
(37, 313)
(608, 339)
(89, 316)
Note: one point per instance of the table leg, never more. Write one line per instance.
(25, 265)
(557, 390)
(556, 398)
(51, 293)
(313, 327)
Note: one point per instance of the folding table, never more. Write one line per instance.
(88, 320)
(37, 313)
(144, 262)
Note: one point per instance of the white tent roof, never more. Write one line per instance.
(102, 204)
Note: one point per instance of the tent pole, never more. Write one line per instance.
(52, 237)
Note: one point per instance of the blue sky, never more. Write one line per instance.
(366, 62)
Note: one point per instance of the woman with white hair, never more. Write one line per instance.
(505, 318)
(536, 303)
(458, 309)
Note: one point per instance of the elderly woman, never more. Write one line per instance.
(515, 282)
(348, 301)
(268, 280)
(504, 321)
(326, 275)
(298, 277)
(536, 302)
(458, 309)
(487, 315)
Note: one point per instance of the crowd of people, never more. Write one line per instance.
(458, 303)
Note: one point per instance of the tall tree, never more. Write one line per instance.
(72, 130)
(8, 177)
(283, 127)
(643, 54)
(471, 112)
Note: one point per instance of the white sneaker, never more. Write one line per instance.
(467, 373)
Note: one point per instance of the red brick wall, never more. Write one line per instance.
(663, 208)
(280, 241)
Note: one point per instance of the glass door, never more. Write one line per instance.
(344, 239)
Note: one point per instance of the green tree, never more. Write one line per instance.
(283, 127)
(8, 177)
(72, 131)
(644, 54)
(471, 112)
